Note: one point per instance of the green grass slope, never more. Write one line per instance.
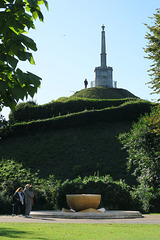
(103, 93)
(70, 152)
(82, 143)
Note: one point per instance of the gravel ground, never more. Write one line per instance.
(146, 219)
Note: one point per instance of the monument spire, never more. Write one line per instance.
(103, 74)
(103, 48)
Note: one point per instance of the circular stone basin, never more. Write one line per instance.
(79, 202)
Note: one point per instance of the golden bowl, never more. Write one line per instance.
(79, 202)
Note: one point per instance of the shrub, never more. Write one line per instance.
(14, 175)
(143, 147)
(6, 188)
(154, 205)
(114, 194)
(23, 109)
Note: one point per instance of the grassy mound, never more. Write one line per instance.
(103, 93)
(70, 152)
(81, 143)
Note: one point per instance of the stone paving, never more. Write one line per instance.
(145, 219)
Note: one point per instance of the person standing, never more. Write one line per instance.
(85, 83)
(28, 193)
(18, 201)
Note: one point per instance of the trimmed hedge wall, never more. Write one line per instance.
(126, 112)
(26, 112)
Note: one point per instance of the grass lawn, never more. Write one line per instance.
(69, 231)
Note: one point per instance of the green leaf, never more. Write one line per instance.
(32, 91)
(28, 21)
(28, 8)
(31, 2)
(34, 79)
(28, 42)
(12, 61)
(40, 15)
(10, 102)
(17, 30)
(3, 86)
(40, 2)
(18, 92)
(22, 78)
(35, 15)
(14, 47)
(23, 56)
(32, 60)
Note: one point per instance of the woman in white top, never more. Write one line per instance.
(18, 201)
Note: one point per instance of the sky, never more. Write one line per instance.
(69, 45)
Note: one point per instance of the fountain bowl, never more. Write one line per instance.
(79, 202)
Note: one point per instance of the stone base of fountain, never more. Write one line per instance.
(91, 210)
(109, 214)
(84, 206)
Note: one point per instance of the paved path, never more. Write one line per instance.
(146, 219)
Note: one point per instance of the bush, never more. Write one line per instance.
(14, 175)
(114, 194)
(154, 205)
(143, 146)
(50, 194)
(23, 109)
(6, 188)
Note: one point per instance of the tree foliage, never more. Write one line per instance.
(16, 18)
(153, 51)
(154, 120)
(143, 141)
(143, 146)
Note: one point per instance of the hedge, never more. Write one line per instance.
(126, 112)
(115, 195)
(29, 112)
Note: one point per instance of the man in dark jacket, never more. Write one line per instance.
(85, 83)
(28, 193)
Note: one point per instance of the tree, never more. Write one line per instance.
(143, 141)
(143, 146)
(16, 18)
(153, 51)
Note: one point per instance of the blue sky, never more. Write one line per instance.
(69, 46)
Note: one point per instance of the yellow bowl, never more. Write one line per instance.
(80, 202)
